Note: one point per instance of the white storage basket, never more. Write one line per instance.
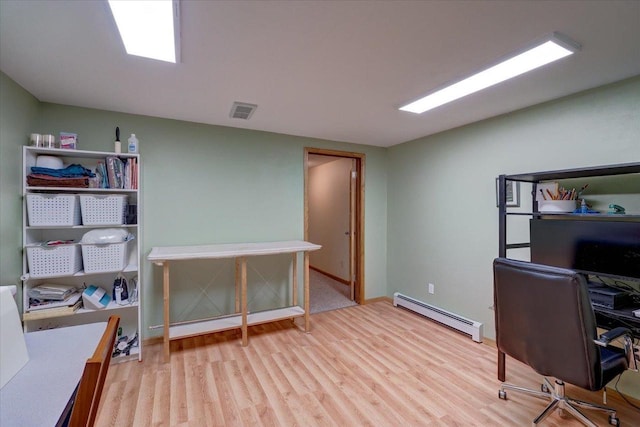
(52, 261)
(106, 257)
(53, 209)
(100, 209)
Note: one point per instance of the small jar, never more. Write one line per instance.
(35, 140)
(49, 141)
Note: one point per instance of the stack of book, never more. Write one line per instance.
(116, 173)
(51, 300)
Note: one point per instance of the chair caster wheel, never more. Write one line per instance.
(502, 394)
(614, 421)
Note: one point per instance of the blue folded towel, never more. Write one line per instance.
(71, 171)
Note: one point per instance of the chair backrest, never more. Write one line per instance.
(13, 348)
(544, 318)
(85, 406)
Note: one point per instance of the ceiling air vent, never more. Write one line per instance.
(241, 110)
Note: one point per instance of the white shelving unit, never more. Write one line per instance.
(130, 315)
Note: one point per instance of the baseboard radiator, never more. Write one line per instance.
(462, 324)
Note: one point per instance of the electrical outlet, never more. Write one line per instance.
(432, 288)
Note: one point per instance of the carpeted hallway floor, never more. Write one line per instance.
(327, 294)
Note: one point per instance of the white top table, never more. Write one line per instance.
(38, 395)
(240, 251)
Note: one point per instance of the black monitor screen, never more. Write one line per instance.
(597, 247)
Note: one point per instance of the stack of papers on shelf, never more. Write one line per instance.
(41, 309)
(52, 300)
(51, 292)
(52, 312)
(45, 305)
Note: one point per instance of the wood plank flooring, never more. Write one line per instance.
(371, 365)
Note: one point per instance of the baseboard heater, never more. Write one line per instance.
(464, 325)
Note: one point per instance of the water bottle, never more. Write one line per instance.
(133, 143)
(583, 207)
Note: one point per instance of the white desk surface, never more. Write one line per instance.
(38, 394)
(228, 250)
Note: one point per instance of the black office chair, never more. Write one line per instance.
(544, 318)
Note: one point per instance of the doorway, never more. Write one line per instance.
(334, 216)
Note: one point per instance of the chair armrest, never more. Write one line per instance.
(629, 349)
(609, 336)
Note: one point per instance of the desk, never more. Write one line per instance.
(241, 319)
(605, 319)
(39, 394)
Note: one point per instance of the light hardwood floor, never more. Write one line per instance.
(372, 365)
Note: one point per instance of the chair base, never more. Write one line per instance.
(559, 401)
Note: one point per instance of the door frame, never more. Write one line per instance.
(359, 293)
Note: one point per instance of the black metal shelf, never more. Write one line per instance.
(536, 177)
(605, 317)
(581, 216)
(610, 170)
(517, 245)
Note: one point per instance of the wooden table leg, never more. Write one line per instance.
(306, 292)
(238, 285)
(165, 290)
(501, 366)
(243, 297)
(294, 279)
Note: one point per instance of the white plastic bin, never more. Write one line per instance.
(54, 261)
(105, 257)
(103, 209)
(53, 209)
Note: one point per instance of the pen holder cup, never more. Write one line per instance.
(557, 206)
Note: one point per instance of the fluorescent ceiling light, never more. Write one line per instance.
(147, 27)
(553, 48)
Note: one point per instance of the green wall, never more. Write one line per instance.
(442, 214)
(443, 219)
(18, 114)
(210, 184)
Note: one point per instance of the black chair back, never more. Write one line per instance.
(544, 318)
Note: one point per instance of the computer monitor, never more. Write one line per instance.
(599, 246)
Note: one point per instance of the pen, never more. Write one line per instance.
(582, 189)
(550, 195)
(543, 196)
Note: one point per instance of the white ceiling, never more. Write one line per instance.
(335, 70)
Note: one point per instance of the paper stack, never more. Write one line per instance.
(52, 300)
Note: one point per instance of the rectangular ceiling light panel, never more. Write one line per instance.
(553, 48)
(149, 28)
